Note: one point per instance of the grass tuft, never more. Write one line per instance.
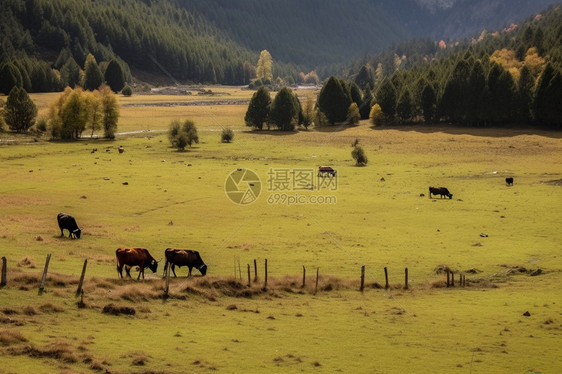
(11, 336)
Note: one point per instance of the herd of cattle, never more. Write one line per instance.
(129, 257)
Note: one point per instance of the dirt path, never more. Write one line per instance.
(191, 103)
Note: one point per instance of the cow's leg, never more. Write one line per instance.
(189, 274)
(165, 268)
(120, 270)
(174, 270)
(141, 271)
(128, 271)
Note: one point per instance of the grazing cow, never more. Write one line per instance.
(509, 181)
(184, 257)
(135, 257)
(443, 191)
(69, 223)
(326, 171)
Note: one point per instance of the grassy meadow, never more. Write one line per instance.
(379, 216)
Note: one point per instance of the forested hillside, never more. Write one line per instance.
(219, 41)
(509, 77)
(152, 36)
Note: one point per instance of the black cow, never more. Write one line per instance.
(69, 223)
(129, 257)
(443, 191)
(509, 181)
(184, 257)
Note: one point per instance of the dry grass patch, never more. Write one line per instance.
(50, 308)
(26, 262)
(60, 350)
(11, 336)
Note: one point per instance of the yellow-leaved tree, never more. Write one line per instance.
(264, 70)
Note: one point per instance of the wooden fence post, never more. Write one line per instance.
(255, 270)
(167, 269)
(406, 278)
(81, 282)
(362, 278)
(317, 273)
(303, 276)
(239, 270)
(42, 286)
(249, 279)
(448, 275)
(265, 284)
(386, 278)
(3, 282)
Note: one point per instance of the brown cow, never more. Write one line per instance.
(184, 257)
(135, 257)
(324, 171)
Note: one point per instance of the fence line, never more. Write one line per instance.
(449, 279)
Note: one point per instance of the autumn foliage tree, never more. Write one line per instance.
(76, 110)
(264, 69)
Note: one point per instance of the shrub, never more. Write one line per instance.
(182, 134)
(353, 115)
(127, 90)
(377, 116)
(227, 135)
(359, 156)
(41, 124)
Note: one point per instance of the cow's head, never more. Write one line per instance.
(77, 233)
(203, 269)
(450, 196)
(153, 265)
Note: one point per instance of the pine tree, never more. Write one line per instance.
(502, 92)
(386, 98)
(19, 111)
(93, 78)
(404, 107)
(476, 111)
(525, 92)
(114, 77)
(454, 102)
(548, 98)
(334, 100)
(70, 73)
(284, 110)
(365, 77)
(428, 103)
(10, 77)
(366, 100)
(258, 109)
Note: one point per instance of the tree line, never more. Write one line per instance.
(508, 77)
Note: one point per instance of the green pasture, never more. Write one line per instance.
(155, 197)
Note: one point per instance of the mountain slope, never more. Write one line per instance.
(218, 41)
